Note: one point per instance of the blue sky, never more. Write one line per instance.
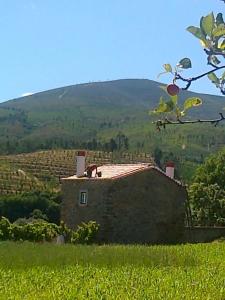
(47, 43)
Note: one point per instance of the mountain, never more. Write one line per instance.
(96, 115)
(140, 93)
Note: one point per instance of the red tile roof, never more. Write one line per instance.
(116, 171)
(121, 170)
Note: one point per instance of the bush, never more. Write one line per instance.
(34, 232)
(85, 233)
(65, 231)
(38, 214)
(40, 230)
(5, 229)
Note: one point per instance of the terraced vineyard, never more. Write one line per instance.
(43, 170)
(15, 180)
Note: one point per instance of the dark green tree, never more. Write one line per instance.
(158, 156)
(207, 192)
(212, 171)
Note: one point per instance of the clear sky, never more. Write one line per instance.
(51, 43)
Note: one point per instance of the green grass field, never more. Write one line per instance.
(47, 271)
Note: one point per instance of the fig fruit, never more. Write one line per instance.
(172, 89)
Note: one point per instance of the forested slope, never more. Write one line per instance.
(108, 116)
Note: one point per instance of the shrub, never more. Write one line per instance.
(5, 229)
(34, 232)
(85, 233)
(40, 230)
(38, 214)
(65, 231)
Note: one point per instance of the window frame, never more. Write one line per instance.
(81, 192)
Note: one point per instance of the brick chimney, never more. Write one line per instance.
(170, 169)
(80, 163)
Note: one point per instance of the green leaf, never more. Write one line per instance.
(215, 60)
(196, 32)
(174, 99)
(207, 24)
(185, 63)
(205, 43)
(223, 76)
(191, 102)
(213, 78)
(163, 106)
(219, 19)
(179, 113)
(168, 68)
(221, 45)
(201, 27)
(219, 31)
(161, 74)
(170, 106)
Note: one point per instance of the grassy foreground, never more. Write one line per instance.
(47, 271)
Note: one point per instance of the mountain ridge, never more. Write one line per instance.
(100, 82)
(124, 87)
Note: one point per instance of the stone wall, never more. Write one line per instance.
(202, 234)
(146, 207)
(72, 213)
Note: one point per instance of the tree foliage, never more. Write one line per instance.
(86, 233)
(25, 205)
(42, 231)
(207, 193)
(212, 171)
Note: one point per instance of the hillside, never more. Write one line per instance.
(140, 93)
(107, 116)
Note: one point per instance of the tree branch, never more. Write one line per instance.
(213, 52)
(190, 80)
(163, 123)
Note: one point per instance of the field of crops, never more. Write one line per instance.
(47, 271)
(43, 169)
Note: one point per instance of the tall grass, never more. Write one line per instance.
(46, 271)
(27, 255)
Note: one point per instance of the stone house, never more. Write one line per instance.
(133, 203)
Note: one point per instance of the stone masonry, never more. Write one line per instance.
(132, 205)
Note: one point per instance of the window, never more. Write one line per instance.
(83, 196)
